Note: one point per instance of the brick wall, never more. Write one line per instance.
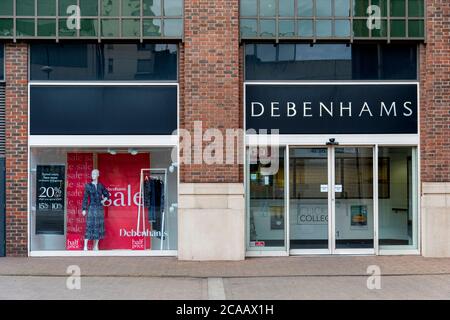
(435, 95)
(210, 86)
(16, 63)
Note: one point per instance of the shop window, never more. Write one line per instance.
(86, 62)
(398, 213)
(330, 61)
(128, 204)
(267, 203)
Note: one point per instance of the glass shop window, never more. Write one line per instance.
(103, 199)
(110, 62)
(266, 61)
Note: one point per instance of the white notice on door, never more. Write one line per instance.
(338, 188)
(323, 188)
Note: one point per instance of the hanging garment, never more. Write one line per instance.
(159, 206)
(92, 202)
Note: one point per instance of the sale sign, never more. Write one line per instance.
(50, 199)
(79, 168)
(120, 174)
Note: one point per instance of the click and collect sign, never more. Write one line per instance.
(345, 108)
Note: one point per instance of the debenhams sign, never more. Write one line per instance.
(332, 108)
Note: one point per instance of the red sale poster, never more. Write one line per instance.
(120, 174)
(79, 168)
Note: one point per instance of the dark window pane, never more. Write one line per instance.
(248, 28)
(267, 28)
(64, 6)
(25, 27)
(399, 62)
(398, 8)
(103, 62)
(382, 32)
(383, 6)
(110, 28)
(363, 58)
(131, 28)
(415, 8)
(25, 7)
(360, 8)
(6, 8)
(64, 31)
(6, 27)
(360, 28)
(131, 8)
(267, 8)
(89, 28)
(152, 28)
(110, 8)
(330, 62)
(2, 62)
(46, 27)
(415, 28)
(152, 7)
(398, 28)
(89, 8)
(46, 8)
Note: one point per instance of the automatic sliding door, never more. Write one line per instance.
(354, 210)
(308, 204)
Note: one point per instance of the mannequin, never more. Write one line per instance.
(95, 195)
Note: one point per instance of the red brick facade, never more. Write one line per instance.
(211, 78)
(16, 64)
(435, 97)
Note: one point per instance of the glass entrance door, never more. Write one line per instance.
(309, 204)
(331, 207)
(352, 200)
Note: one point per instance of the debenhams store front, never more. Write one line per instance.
(347, 175)
(330, 105)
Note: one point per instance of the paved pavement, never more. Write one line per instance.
(326, 277)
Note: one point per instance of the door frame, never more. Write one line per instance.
(331, 173)
(317, 141)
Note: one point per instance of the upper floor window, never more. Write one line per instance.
(107, 62)
(99, 19)
(336, 19)
(330, 62)
(2, 62)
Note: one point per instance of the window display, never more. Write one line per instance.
(103, 199)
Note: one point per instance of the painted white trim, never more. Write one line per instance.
(342, 139)
(261, 253)
(103, 141)
(309, 252)
(101, 83)
(320, 82)
(399, 252)
(105, 253)
(354, 251)
(375, 200)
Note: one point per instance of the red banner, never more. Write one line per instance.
(79, 168)
(120, 174)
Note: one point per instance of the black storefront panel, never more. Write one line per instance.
(103, 110)
(332, 108)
